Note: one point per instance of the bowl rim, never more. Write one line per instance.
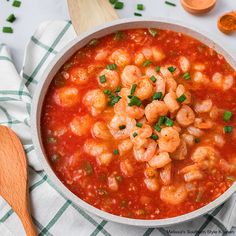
(60, 59)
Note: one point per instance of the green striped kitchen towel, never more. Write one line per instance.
(52, 213)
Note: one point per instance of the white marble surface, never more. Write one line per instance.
(32, 12)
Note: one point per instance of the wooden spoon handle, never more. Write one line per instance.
(86, 14)
(27, 223)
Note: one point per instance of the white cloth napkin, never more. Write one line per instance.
(52, 213)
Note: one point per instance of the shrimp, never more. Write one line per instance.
(170, 101)
(151, 184)
(173, 194)
(112, 183)
(160, 160)
(135, 112)
(185, 116)
(184, 64)
(154, 110)
(195, 131)
(223, 82)
(191, 173)
(219, 140)
(165, 71)
(171, 85)
(203, 123)
(99, 150)
(96, 101)
(66, 97)
(145, 153)
(169, 140)
(158, 54)
(125, 146)
(126, 168)
(166, 174)
(79, 76)
(130, 75)
(215, 112)
(181, 151)
(80, 125)
(100, 130)
(203, 106)
(144, 89)
(120, 57)
(150, 172)
(112, 79)
(205, 157)
(118, 121)
(139, 59)
(142, 135)
(180, 90)
(188, 138)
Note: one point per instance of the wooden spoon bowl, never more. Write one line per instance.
(227, 23)
(198, 6)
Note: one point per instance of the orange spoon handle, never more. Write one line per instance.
(27, 223)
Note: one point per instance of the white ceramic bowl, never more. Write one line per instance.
(62, 57)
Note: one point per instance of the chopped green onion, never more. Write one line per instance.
(119, 5)
(122, 127)
(113, 1)
(16, 3)
(118, 89)
(88, 168)
(230, 178)
(157, 127)
(228, 129)
(140, 7)
(55, 157)
(153, 32)
(227, 115)
(102, 79)
(107, 91)
(11, 18)
(197, 140)
(135, 101)
(135, 134)
(114, 100)
(161, 120)
(158, 68)
(147, 63)
(169, 122)
(170, 3)
(119, 35)
(181, 99)
(138, 124)
(171, 69)
(187, 76)
(116, 152)
(111, 66)
(153, 79)
(93, 42)
(154, 137)
(137, 14)
(134, 86)
(7, 30)
(157, 96)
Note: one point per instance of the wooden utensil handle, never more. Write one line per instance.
(86, 14)
(28, 224)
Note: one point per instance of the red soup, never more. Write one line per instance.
(141, 123)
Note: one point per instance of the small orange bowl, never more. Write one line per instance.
(198, 6)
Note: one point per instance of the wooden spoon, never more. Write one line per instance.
(86, 14)
(198, 6)
(14, 178)
(227, 23)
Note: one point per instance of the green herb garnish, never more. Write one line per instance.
(88, 168)
(157, 127)
(7, 30)
(134, 101)
(147, 63)
(227, 115)
(228, 129)
(170, 3)
(93, 42)
(140, 7)
(119, 5)
(119, 35)
(154, 137)
(187, 76)
(122, 127)
(118, 89)
(114, 100)
(107, 91)
(157, 96)
(181, 99)
(197, 140)
(171, 69)
(111, 66)
(169, 122)
(116, 152)
(139, 124)
(133, 88)
(158, 68)
(137, 14)
(11, 18)
(153, 79)
(16, 3)
(135, 134)
(102, 79)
